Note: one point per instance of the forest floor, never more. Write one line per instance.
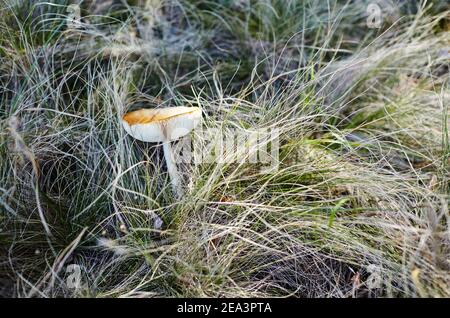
(352, 99)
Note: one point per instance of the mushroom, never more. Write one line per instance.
(163, 125)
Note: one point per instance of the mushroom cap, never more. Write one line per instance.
(161, 124)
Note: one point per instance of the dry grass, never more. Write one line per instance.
(359, 204)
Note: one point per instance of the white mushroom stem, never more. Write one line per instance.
(173, 171)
